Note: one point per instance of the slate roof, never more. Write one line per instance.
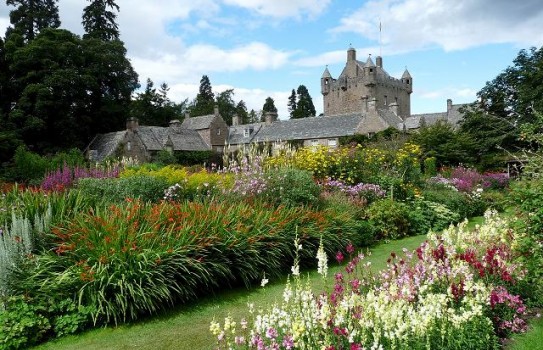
(105, 144)
(453, 117)
(198, 123)
(186, 140)
(153, 137)
(237, 133)
(309, 128)
(390, 118)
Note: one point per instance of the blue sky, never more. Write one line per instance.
(266, 48)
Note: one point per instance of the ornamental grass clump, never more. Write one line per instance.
(432, 298)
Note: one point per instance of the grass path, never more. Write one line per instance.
(187, 327)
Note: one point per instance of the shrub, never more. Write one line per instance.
(146, 188)
(291, 186)
(426, 215)
(390, 218)
(430, 166)
(164, 157)
(28, 166)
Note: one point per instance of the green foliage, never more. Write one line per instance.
(164, 157)
(269, 106)
(466, 205)
(32, 16)
(197, 157)
(22, 323)
(25, 322)
(28, 166)
(304, 107)
(205, 100)
(390, 218)
(292, 186)
(426, 215)
(135, 258)
(98, 22)
(430, 166)
(146, 188)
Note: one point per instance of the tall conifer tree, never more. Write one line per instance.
(30, 17)
(99, 20)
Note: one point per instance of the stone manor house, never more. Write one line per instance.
(363, 99)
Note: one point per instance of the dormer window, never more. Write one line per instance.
(246, 133)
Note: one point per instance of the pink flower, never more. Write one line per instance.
(339, 257)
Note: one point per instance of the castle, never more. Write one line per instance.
(361, 83)
(364, 99)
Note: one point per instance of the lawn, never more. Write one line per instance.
(187, 327)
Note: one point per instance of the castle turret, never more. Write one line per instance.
(407, 80)
(326, 80)
(351, 55)
(370, 72)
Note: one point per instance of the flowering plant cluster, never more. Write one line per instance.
(470, 181)
(435, 297)
(368, 192)
(66, 176)
(250, 177)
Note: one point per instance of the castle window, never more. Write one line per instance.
(128, 146)
(314, 143)
(371, 134)
(396, 99)
(386, 100)
(332, 142)
(218, 131)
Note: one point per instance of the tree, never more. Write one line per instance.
(205, 100)
(304, 107)
(32, 16)
(292, 103)
(269, 106)
(442, 142)
(69, 94)
(99, 22)
(241, 111)
(152, 107)
(226, 104)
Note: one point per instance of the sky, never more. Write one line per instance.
(262, 48)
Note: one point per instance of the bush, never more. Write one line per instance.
(456, 201)
(426, 215)
(291, 186)
(146, 188)
(390, 218)
(28, 166)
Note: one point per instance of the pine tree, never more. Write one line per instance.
(32, 16)
(205, 100)
(241, 111)
(292, 103)
(269, 106)
(304, 107)
(99, 22)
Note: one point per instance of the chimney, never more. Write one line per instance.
(235, 120)
(379, 61)
(132, 124)
(394, 107)
(216, 110)
(270, 117)
(449, 106)
(372, 105)
(364, 104)
(187, 115)
(351, 54)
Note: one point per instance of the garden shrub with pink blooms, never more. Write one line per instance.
(456, 291)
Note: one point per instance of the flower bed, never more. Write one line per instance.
(456, 291)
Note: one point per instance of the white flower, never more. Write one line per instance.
(322, 260)
(296, 270)
(264, 281)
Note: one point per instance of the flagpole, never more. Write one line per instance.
(380, 41)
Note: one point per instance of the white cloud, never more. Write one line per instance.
(455, 93)
(452, 25)
(337, 56)
(282, 8)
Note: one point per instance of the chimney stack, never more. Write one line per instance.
(132, 124)
(364, 104)
(216, 110)
(449, 106)
(379, 61)
(235, 120)
(187, 115)
(270, 117)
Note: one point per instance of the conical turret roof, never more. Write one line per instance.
(326, 73)
(406, 74)
(369, 62)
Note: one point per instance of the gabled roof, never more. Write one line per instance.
(237, 133)
(186, 140)
(198, 123)
(309, 128)
(153, 137)
(390, 118)
(105, 144)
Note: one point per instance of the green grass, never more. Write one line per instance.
(532, 340)
(187, 327)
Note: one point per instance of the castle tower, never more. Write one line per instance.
(326, 80)
(362, 82)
